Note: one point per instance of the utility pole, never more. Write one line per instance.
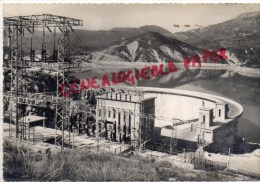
(44, 119)
(73, 142)
(10, 127)
(173, 141)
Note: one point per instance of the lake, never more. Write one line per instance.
(242, 89)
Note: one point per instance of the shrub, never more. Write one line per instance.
(20, 163)
(164, 164)
(74, 165)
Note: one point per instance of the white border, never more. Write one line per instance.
(131, 1)
(93, 2)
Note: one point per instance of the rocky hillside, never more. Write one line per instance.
(97, 40)
(240, 35)
(148, 47)
(86, 41)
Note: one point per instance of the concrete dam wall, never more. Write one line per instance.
(184, 105)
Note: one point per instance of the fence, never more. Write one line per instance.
(208, 165)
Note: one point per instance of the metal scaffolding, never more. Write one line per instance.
(17, 93)
(61, 64)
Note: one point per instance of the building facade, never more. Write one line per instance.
(216, 130)
(119, 118)
(182, 120)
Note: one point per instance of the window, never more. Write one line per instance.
(219, 112)
(119, 118)
(129, 127)
(203, 121)
(99, 112)
(109, 114)
(114, 113)
(99, 127)
(129, 119)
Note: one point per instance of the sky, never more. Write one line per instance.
(108, 16)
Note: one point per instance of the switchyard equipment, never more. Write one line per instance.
(61, 63)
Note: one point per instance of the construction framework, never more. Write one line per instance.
(14, 28)
(18, 94)
(144, 129)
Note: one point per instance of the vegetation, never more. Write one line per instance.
(80, 165)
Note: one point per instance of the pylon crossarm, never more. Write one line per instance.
(44, 20)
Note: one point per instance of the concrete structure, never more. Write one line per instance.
(118, 118)
(202, 119)
(28, 123)
(32, 120)
(207, 120)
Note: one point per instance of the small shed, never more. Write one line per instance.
(33, 120)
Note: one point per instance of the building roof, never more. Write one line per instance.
(183, 132)
(206, 108)
(149, 98)
(216, 124)
(32, 118)
(133, 98)
(235, 109)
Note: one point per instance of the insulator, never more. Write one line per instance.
(21, 53)
(7, 53)
(32, 55)
(44, 57)
(55, 55)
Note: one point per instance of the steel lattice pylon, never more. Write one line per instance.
(15, 36)
(142, 134)
(62, 111)
(15, 27)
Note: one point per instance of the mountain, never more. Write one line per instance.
(85, 41)
(240, 35)
(97, 40)
(147, 47)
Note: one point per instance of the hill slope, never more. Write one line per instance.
(240, 36)
(148, 47)
(85, 41)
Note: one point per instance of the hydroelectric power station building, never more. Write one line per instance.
(182, 119)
